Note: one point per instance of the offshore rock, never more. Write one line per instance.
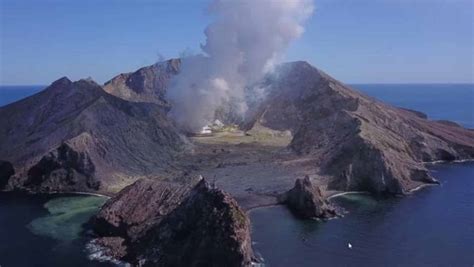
(306, 201)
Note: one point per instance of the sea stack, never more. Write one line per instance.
(306, 201)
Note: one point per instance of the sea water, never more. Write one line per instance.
(10, 94)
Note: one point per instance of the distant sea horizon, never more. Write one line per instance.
(13, 93)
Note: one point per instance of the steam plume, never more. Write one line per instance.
(243, 43)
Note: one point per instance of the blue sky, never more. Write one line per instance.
(363, 41)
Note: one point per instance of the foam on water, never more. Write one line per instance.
(97, 252)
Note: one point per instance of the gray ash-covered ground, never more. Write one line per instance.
(254, 167)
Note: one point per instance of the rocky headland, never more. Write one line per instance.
(153, 223)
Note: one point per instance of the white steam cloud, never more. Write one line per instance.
(244, 42)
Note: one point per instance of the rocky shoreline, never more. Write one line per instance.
(123, 222)
(178, 215)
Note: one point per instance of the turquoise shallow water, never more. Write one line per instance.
(66, 216)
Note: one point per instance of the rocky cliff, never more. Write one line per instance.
(147, 84)
(305, 200)
(180, 225)
(137, 207)
(359, 142)
(73, 136)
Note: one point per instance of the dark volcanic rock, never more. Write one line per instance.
(6, 171)
(306, 201)
(207, 229)
(147, 84)
(73, 136)
(63, 169)
(361, 143)
(138, 207)
(165, 224)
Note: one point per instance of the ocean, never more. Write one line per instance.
(10, 94)
(433, 227)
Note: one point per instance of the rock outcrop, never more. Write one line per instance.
(61, 168)
(306, 201)
(147, 84)
(357, 141)
(165, 224)
(139, 206)
(73, 136)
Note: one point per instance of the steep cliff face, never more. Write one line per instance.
(73, 136)
(164, 224)
(306, 201)
(147, 84)
(362, 143)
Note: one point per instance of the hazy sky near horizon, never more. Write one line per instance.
(364, 41)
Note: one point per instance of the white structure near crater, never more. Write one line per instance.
(206, 130)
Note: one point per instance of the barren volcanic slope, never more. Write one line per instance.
(359, 142)
(73, 136)
(76, 137)
(147, 84)
(354, 142)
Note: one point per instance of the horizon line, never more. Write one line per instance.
(348, 83)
